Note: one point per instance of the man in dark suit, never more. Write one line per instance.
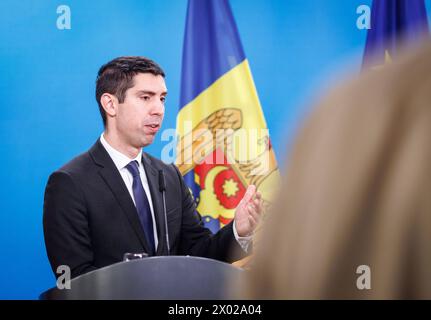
(108, 201)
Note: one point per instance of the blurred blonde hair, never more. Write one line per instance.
(357, 192)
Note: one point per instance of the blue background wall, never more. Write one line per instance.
(49, 113)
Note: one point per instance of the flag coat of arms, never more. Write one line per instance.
(223, 141)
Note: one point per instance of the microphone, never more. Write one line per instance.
(162, 189)
(162, 185)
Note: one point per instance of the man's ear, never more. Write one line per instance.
(110, 103)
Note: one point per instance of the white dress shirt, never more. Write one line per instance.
(121, 161)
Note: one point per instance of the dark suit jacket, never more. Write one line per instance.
(90, 220)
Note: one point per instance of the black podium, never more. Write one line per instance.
(170, 277)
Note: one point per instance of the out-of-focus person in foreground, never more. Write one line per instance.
(353, 220)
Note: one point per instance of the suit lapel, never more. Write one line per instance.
(156, 196)
(115, 182)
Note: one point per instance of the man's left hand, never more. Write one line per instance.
(248, 212)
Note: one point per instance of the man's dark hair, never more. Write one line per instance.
(116, 77)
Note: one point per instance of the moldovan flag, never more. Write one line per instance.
(223, 141)
(394, 24)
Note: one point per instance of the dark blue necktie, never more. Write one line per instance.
(142, 205)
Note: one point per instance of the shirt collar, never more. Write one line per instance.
(120, 159)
